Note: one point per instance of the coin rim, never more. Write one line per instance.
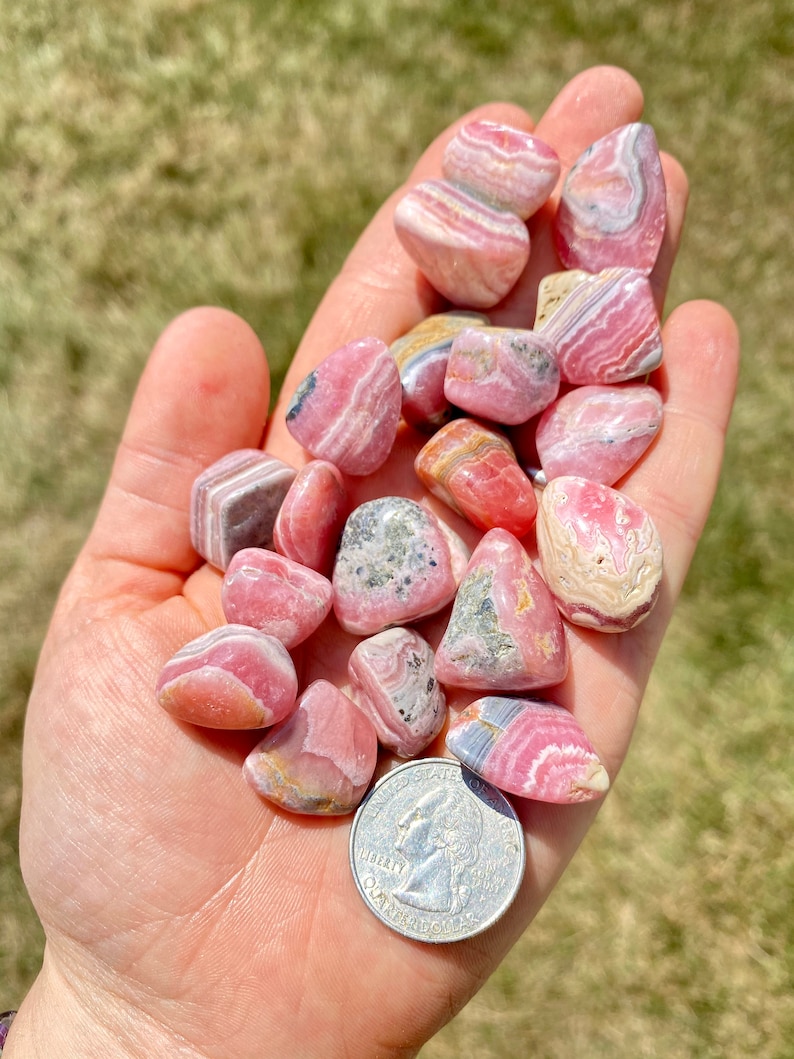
(452, 762)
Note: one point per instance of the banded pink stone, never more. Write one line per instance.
(502, 373)
(600, 554)
(510, 168)
(396, 563)
(321, 760)
(234, 504)
(275, 595)
(310, 520)
(232, 677)
(394, 684)
(606, 329)
(471, 252)
(347, 410)
(612, 210)
(474, 470)
(422, 356)
(598, 432)
(529, 747)
(504, 633)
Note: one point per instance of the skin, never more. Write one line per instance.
(184, 917)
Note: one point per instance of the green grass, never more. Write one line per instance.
(158, 155)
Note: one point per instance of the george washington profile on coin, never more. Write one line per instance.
(439, 839)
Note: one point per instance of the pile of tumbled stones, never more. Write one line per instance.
(292, 551)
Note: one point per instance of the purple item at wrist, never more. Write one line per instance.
(6, 1019)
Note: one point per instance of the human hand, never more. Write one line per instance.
(184, 916)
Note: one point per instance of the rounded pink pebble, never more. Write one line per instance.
(528, 747)
(311, 517)
(275, 595)
(232, 677)
(319, 761)
(471, 252)
(347, 410)
(474, 470)
(502, 373)
(612, 211)
(504, 632)
(598, 432)
(600, 553)
(396, 563)
(507, 167)
(605, 328)
(395, 685)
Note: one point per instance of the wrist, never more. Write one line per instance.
(64, 1016)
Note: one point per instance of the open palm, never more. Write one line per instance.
(184, 916)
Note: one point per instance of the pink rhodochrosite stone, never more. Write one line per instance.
(232, 677)
(528, 747)
(600, 553)
(471, 252)
(502, 374)
(310, 520)
(275, 595)
(504, 632)
(396, 563)
(421, 357)
(612, 211)
(507, 167)
(234, 504)
(598, 432)
(320, 761)
(474, 470)
(394, 683)
(347, 409)
(606, 329)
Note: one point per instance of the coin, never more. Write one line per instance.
(436, 852)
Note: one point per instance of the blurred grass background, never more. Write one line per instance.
(161, 154)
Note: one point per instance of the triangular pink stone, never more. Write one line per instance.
(612, 211)
(504, 632)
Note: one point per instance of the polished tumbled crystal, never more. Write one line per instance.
(421, 357)
(502, 373)
(600, 554)
(231, 677)
(474, 470)
(321, 760)
(606, 329)
(346, 411)
(310, 520)
(275, 595)
(471, 252)
(598, 432)
(504, 633)
(510, 168)
(612, 210)
(234, 504)
(528, 747)
(396, 563)
(394, 683)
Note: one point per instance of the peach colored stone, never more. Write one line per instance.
(321, 760)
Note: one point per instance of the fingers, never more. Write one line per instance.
(204, 392)
(678, 479)
(381, 292)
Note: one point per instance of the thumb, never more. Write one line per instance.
(203, 393)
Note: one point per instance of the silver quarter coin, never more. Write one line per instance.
(436, 852)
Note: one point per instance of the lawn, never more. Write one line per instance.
(158, 155)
